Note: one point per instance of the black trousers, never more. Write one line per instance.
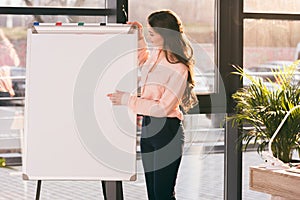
(112, 190)
(161, 147)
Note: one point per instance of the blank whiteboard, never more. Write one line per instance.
(72, 131)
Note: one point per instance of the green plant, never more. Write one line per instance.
(263, 108)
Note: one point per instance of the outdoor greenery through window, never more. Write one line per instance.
(270, 45)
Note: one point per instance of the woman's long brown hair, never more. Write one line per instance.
(177, 49)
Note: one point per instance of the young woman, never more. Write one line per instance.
(167, 83)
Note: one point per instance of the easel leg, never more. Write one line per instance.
(38, 190)
(112, 190)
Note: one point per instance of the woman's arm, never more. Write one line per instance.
(171, 97)
(143, 53)
(174, 89)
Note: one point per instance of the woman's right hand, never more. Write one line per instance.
(136, 23)
(140, 29)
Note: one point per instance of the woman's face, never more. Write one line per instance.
(155, 38)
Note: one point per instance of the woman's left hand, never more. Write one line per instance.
(116, 98)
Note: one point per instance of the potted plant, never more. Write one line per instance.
(263, 108)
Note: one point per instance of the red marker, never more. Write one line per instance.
(58, 23)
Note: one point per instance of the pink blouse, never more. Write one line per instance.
(162, 86)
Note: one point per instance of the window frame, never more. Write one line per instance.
(116, 11)
(234, 11)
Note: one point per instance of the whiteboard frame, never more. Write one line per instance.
(28, 169)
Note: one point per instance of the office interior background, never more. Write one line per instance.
(257, 35)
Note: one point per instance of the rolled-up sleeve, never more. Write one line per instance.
(143, 52)
(170, 98)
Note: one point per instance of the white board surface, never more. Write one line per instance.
(72, 132)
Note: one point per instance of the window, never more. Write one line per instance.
(270, 45)
(199, 27)
(271, 40)
(13, 42)
(204, 133)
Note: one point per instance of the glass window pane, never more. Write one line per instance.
(12, 65)
(54, 3)
(272, 6)
(14, 27)
(198, 18)
(204, 134)
(269, 44)
(204, 146)
(13, 42)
